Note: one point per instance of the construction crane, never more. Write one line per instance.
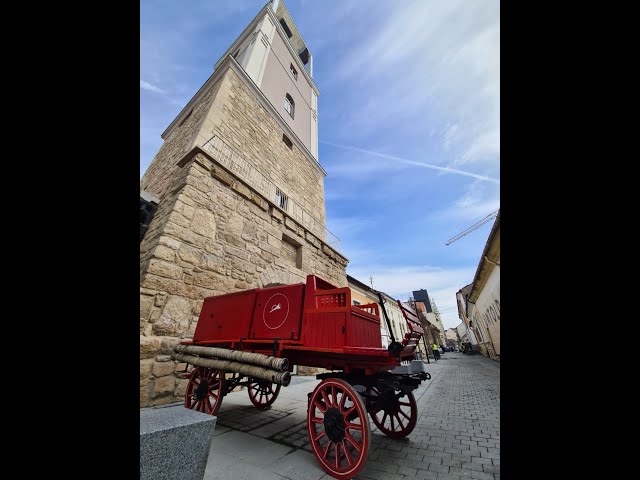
(473, 227)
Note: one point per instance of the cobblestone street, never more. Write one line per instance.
(457, 434)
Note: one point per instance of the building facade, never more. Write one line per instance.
(238, 193)
(426, 305)
(461, 332)
(362, 294)
(451, 337)
(479, 302)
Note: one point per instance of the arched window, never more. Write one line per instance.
(289, 106)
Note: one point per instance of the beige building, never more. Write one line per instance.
(362, 294)
(238, 194)
(479, 302)
(461, 330)
(451, 337)
(433, 321)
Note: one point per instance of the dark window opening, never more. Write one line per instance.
(235, 55)
(293, 71)
(289, 105)
(286, 28)
(147, 209)
(287, 141)
(355, 302)
(304, 56)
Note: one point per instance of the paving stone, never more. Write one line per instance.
(473, 466)
(490, 455)
(426, 475)
(411, 472)
(491, 468)
(439, 468)
(448, 476)
(482, 475)
(298, 465)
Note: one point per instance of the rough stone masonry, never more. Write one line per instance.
(212, 233)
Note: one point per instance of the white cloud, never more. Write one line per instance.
(432, 66)
(414, 163)
(151, 88)
(478, 200)
(351, 226)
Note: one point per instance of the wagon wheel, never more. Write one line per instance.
(393, 414)
(338, 428)
(205, 390)
(262, 392)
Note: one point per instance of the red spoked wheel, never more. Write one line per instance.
(392, 412)
(338, 428)
(262, 393)
(205, 390)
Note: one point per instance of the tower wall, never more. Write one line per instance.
(239, 120)
(214, 232)
(278, 81)
(159, 176)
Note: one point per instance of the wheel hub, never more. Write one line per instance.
(334, 424)
(203, 390)
(387, 401)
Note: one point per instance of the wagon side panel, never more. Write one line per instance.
(363, 329)
(278, 313)
(324, 329)
(225, 317)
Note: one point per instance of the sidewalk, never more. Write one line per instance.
(457, 435)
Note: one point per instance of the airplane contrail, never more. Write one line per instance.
(413, 162)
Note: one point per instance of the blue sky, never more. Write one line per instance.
(405, 86)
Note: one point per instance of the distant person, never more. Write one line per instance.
(436, 352)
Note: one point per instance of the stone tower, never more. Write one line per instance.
(238, 194)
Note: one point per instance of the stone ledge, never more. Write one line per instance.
(149, 197)
(174, 443)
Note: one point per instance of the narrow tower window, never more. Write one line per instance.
(281, 199)
(286, 28)
(293, 71)
(289, 106)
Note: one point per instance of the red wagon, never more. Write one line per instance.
(254, 338)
